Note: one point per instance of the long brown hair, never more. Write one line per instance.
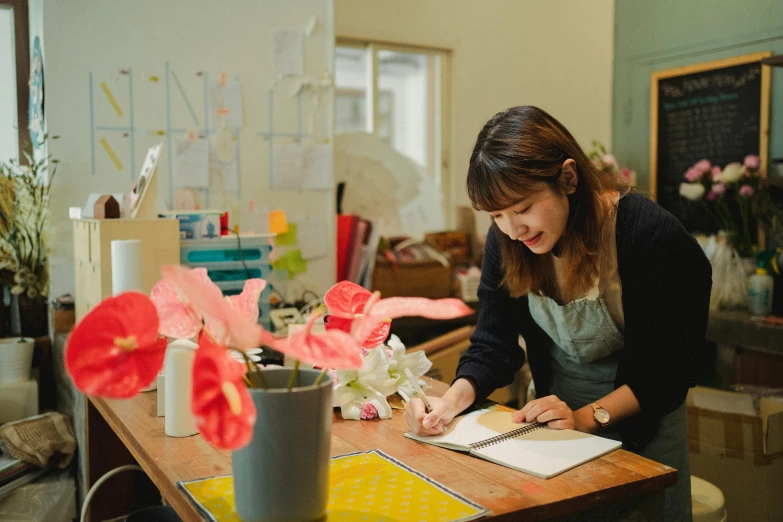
(521, 151)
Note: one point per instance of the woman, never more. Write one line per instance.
(608, 290)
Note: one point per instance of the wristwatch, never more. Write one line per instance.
(600, 415)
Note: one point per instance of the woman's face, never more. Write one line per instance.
(538, 220)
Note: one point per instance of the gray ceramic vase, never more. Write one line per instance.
(283, 474)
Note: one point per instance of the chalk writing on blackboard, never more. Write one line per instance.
(711, 112)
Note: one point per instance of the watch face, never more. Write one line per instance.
(601, 415)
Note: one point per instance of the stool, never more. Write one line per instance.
(707, 501)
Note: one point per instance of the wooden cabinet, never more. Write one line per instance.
(92, 254)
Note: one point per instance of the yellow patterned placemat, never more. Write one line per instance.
(362, 486)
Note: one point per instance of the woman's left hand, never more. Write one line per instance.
(547, 410)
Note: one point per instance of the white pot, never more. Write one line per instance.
(16, 358)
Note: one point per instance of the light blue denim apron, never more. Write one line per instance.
(583, 357)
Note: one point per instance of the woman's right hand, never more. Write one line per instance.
(425, 424)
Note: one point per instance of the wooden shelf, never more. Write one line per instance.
(740, 329)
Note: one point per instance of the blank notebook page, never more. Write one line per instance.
(546, 452)
(473, 427)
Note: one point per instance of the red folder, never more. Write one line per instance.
(346, 231)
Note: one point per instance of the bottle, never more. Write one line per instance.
(760, 293)
(178, 388)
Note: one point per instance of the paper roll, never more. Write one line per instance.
(125, 265)
(178, 387)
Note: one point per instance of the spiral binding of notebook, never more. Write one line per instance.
(509, 435)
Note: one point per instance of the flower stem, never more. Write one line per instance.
(262, 379)
(320, 377)
(253, 372)
(294, 373)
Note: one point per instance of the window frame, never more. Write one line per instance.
(443, 141)
(22, 52)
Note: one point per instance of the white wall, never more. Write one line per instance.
(555, 54)
(84, 36)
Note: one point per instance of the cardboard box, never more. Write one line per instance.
(63, 320)
(456, 244)
(412, 279)
(737, 444)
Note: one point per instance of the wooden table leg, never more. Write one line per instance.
(122, 493)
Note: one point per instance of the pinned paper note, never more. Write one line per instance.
(191, 163)
(223, 172)
(318, 167)
(311, 232)
(288, 52)
(254, 219)
(289, 238)
(278, 224)
(226, 105)
(288, 168)
(302, 167)
(292, 262)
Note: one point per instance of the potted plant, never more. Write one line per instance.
(277, 422)
(24, 262)
(726, 194)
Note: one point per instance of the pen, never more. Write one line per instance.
(415, 383)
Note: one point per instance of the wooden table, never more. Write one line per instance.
(124, 431)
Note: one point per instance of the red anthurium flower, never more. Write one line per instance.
(246, 303)
(114, 351)
(331, 349)
(367, 317)
(225, 324)
(394, 307)
(376, 337)
(223, 408)
(346, 299)
(178, 317)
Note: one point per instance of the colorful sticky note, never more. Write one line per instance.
(278, 224)
(289, 238)
(292, 262)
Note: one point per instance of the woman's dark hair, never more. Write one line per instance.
(519, 152)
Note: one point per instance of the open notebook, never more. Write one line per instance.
(530, 448)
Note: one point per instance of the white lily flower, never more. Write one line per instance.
(416, 362)
(692, 191)
(370, 383)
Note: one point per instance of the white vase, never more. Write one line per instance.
(16, 358)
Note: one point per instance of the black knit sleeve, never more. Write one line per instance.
(494, 355)
(666, 282)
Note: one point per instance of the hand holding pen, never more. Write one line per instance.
(429, 415)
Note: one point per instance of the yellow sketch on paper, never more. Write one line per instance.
(110, 97)
(370, 485)
(112, 155)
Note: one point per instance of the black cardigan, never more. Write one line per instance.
(666, 281)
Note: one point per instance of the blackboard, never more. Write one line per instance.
(717, 110)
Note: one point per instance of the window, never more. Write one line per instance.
(14, 74)
(394, 92)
